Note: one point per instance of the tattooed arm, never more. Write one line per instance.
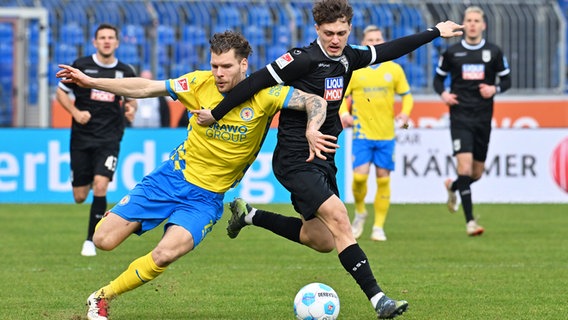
(316, 108)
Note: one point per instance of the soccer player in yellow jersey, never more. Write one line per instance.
(186, 191)
(372, 90)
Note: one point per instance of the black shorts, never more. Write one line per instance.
(471, 137)
(310, 186)
(96, 160)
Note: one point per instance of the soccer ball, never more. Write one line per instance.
(316, 301)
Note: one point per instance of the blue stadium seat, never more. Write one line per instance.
(259, 15)
(358, 20)
(6, 52)
(381, 15)
(274, 52)
(73, 12)
(309, 34)
(416, 76)
(168, 12)
(198, 13)
(133, 34)
(166, 34)
(71, 33)
(280, 13)
(255, 35)
(128, 53)
(106, 12)
(256, 60)
(52, 69)
(186, 51)
(6, 33)
(65, 53)
(229, 16)
(281, 35)
(195, 35)
(135, 12)
(179, 69)
(163, 55)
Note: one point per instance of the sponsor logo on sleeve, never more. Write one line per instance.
(284, 60)
(180, 85)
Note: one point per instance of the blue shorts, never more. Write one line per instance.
(378, 152)
(164, 194)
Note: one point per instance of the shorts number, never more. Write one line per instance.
(110, 163)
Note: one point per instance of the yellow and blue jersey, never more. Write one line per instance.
(373, 90)
(216, 157)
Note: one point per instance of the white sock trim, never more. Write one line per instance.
(249, 216)
(375, 299)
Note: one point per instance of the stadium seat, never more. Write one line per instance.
(309, 34)
(135, 12)
(166, 34)
(194, 35)
(381, 15)
(188, 52)
(280, 13)
(179, 69)
(281, 35)
(106, 12)
(255, 35)
(73, 12)
(228, 16)
(133, 34)
(71, 33)
(128, 53)
(358, 20)
(65, 53)
(274, 52)
(198, 13)
(6, 33)
(259, 15)
(168, 12)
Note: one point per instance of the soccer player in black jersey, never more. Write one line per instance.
(98, 126)
(474, 66)
(324, 68)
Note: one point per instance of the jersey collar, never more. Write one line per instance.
(325, 53)
(473, 47)
(100, 64)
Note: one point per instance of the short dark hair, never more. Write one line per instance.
(223, 42)
(106, 26)
(329, 11)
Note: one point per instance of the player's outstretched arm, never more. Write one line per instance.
(129, 87)
(449, 29)
(316, 109)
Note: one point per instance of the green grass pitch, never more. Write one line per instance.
(517, 270)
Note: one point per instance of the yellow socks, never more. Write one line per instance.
(359, 188)
(382, 201)
(140, 271)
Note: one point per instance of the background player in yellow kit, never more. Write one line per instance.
(372, 90)
(187, 190)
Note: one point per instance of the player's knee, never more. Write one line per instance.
(79, 198)
(164, 257)
(325, 247)
(103, 242)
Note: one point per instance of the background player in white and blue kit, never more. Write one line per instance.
(187, 190)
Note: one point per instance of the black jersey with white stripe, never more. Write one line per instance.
(311, 70)
(469, 66)
(107, 113)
